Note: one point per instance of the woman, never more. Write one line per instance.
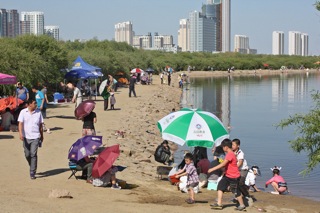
(163, 153)
(88, 124)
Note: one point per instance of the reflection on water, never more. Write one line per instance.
(251, 106)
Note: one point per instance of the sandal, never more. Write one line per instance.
(190, 201)
(216, 206)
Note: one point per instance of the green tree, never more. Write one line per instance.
(308, 133)
(317, 5)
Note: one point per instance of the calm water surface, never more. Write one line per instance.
(251, 106)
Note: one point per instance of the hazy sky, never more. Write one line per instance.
(254, 18)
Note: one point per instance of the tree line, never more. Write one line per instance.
(41, 59)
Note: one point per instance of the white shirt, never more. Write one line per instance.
(250, 179)
(240, 156)
(77, 92)
(31, 123)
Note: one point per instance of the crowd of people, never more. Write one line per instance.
(229, 170)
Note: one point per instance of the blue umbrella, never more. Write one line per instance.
(149, 70)
(84, 146)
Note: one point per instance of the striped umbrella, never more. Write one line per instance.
(194, 127)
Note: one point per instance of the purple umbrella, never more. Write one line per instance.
(84, 109)
(84, 146)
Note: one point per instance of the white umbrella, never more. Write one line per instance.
(102, 86)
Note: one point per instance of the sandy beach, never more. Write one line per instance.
(138, 118)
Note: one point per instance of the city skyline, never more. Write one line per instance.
(252, 18)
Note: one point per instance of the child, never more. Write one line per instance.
(112, 100)
(277, 181)
(192, 177)
(242, 166)
(231, 177)
(251, 178)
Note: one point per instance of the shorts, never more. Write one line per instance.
(192, 185)
(88, 132)
(225, 182)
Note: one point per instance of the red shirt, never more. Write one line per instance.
(232, 170)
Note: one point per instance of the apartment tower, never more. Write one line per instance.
(52, 31)
(294, 43)
(124, 32)
(304, 44)
(278, 43)
(184, 35)
(32, 23)
(226, 25)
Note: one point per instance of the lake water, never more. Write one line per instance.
(251, 106)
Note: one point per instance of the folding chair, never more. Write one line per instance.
(74, 169)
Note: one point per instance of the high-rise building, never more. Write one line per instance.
(124, 32)
(241, 45)
(278, 43)
(201, 33)
(294, 43)
(13, 23)
(206, 27)
(162, 41)
(226, 25)
(3, 23)
(52, 31)
(184, 35)
(142, 41)
(304, 44)
(35, 20)
(241, 42)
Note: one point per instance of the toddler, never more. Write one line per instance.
(112, 100)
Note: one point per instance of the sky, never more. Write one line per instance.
(257, 19)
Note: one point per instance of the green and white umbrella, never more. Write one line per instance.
(194, 127)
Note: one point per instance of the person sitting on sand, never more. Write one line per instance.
(106, 178)
(86, 165)
(7, 118)
(277, 181)
(163, 153)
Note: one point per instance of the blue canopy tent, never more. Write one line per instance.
(83, 70)
(80, 64)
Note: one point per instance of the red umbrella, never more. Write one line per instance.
(105, 160)
(84, 109)
(136, 70)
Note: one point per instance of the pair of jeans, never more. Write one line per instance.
(31, 153)
(131, 89)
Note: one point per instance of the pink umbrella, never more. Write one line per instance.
(105, 160)
(84, 109)
(7, 79)
(136, 70)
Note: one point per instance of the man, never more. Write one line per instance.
(22, 92)
(132, 82)
(77, 97)
(40, 99)
(31, 133)
(231, 177)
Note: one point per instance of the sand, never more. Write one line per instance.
(138, 118)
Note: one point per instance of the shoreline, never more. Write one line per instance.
(244, 72)
(137, 117)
